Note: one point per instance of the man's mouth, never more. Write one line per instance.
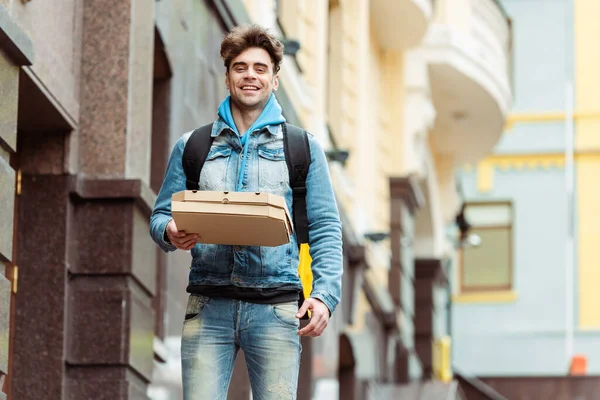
(249, 87)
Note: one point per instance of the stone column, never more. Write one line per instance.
(16, 50)
(405, 199)
(110, 323)
(38, 368)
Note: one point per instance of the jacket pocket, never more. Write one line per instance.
(214, 172)
(276, 261)
(273, 175)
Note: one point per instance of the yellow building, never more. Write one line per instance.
(410, 90)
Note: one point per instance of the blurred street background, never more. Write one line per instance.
(463, 138)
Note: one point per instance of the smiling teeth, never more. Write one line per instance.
(250, 87)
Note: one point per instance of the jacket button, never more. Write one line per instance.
(236, 280)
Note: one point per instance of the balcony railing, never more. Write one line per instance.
(469, 51)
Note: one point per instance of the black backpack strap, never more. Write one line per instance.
(194, 154)
(297, 157)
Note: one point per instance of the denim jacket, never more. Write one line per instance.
(265, 171)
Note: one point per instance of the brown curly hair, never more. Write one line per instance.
(244, 37)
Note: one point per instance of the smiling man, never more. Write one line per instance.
(246, 297)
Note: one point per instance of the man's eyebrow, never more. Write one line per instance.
(244, 64)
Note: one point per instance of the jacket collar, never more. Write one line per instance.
(219, 126)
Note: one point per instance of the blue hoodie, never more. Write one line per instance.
(270, 115)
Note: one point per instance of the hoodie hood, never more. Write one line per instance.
(270, 115)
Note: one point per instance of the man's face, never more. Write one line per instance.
(250, 78)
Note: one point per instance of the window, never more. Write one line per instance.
(488, 266)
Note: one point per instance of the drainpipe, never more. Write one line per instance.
(569, 251)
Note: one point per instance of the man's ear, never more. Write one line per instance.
(275, 82)
(227, 80)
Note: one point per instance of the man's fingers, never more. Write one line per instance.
(189, 239)
(321, 327)
(308, 328)
(185, 242)
(321, 322)
(176, 237)
(316, 323)
(189, 243)
(307, 331)
(173, 231)
(302, 310)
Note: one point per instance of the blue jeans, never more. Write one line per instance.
(213, 332)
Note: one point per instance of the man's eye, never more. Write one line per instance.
(239, 69)
(261, 70)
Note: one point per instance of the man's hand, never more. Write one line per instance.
(318, 320)
(180, 239)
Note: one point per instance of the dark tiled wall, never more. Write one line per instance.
(40, 335)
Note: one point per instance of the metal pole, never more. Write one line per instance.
(569, 253)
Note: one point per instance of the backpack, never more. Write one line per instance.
(297, 156)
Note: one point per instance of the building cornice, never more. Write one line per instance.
(113, 189)
(486, 168)
(408, 189)
(14, 42)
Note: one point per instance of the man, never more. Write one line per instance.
(245, 297)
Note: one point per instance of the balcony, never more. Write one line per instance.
(468, 52)
(400, 24)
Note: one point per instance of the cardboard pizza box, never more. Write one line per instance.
(233, 218)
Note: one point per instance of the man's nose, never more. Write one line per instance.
(250, 74)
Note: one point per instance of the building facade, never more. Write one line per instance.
(96, 93)
(526, 307)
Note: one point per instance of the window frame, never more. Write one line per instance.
(469, 289)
